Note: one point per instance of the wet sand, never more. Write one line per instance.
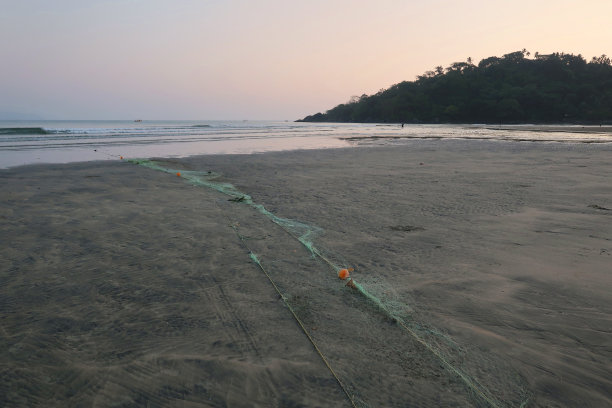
(555, 128)
(126, 286)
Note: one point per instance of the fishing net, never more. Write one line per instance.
(508, 387)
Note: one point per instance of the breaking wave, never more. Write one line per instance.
(24, 131)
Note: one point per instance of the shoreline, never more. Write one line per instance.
(574, 128)
(109, 140)
(502, 249)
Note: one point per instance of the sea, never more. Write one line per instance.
(33, 142)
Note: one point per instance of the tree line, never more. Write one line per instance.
(552, 88)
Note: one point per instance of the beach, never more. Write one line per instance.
(484, 269)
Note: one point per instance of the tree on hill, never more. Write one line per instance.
(551, 88)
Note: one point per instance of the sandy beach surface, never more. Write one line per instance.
(487, 264)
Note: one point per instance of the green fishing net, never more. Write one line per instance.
(377, 292)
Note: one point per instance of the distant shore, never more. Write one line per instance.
(126, 285)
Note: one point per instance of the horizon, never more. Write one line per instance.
(243, 61)
(143, 120)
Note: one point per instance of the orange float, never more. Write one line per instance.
(178, 174)
(343, 274)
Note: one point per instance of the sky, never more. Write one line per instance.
(259, 60)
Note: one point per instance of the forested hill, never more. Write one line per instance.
(553, 88)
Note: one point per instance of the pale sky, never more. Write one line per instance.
(260, 59)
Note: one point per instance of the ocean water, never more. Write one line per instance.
(30, 142)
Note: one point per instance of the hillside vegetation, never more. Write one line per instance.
(554, 88)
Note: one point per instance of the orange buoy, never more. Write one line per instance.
(343, 273)
(121, 157)
(178, 174)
